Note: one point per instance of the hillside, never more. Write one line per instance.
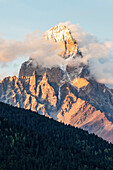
(31, 141)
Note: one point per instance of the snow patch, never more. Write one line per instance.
(29, 62)
(104, 90)
(59, 93)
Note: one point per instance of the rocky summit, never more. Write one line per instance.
(67, 95)
(62, 35)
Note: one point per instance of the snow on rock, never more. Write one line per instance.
(62, 35)
(59, 93)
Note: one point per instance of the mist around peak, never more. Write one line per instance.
(98, 55)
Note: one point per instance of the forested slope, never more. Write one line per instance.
(29, 141)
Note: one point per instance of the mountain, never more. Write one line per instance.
(67, 94)
(31, 141)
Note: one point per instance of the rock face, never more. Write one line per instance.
(62, 35)
(70, 96)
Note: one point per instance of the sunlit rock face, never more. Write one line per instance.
(80, 82)
(62, 35)
(67, 95)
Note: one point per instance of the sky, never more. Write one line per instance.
(19, 18)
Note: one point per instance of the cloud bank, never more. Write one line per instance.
(44, 52)
(99, 55)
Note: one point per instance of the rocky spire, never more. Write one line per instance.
(62, 35)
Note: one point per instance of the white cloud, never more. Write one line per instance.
(42, 51)
(10, 50)
(98, 54)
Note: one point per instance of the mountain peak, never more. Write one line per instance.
(58, 33)
(62, 35)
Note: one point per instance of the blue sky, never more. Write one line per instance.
(21, 17)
